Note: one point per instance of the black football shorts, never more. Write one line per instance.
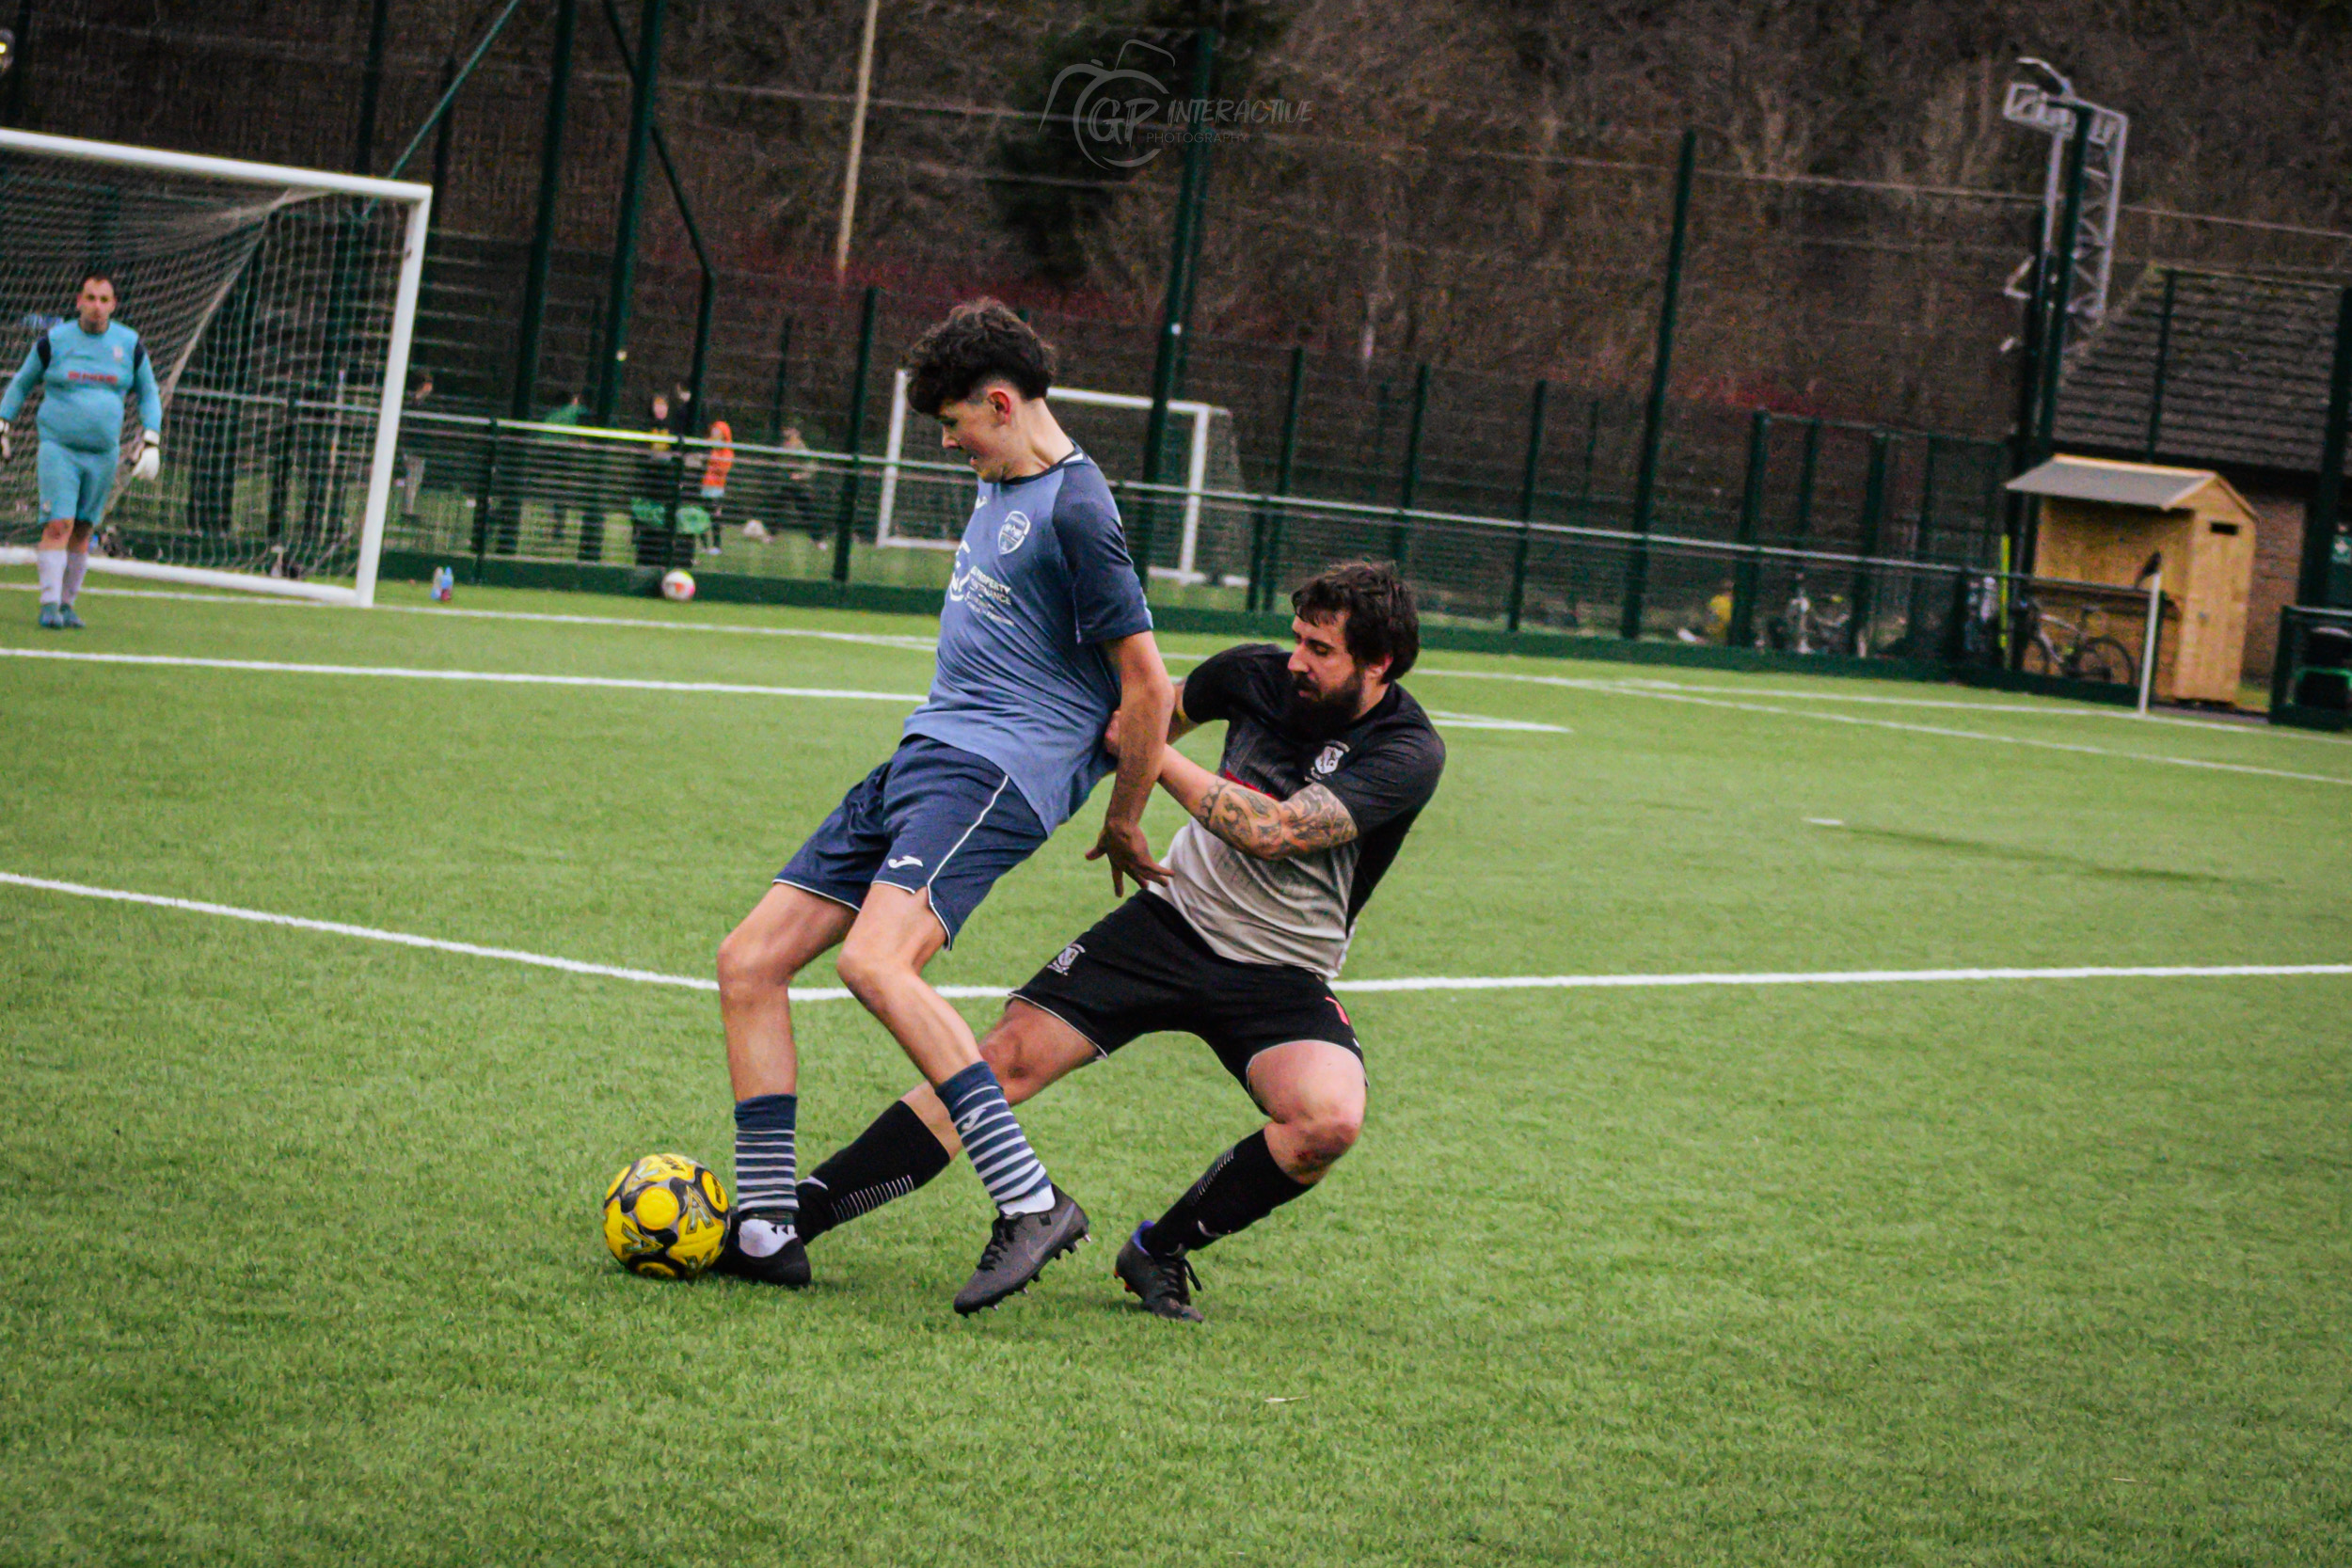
(1142, 969)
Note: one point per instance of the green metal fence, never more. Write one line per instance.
(1838, 570)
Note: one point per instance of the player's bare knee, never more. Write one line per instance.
(750, 962)
(869, 968)
(1015, 1054)
(1321, 1136)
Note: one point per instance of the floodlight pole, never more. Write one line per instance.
(2059, 305)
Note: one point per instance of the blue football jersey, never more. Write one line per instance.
(1041, 578)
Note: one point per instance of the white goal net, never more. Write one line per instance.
(275, 306)
(1197, 537)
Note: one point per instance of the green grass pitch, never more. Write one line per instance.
(304, 1264)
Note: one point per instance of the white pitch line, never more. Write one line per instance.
(1656, 692)
(493, 676)
(1634, 685)
(878, 640)
(1421, 983)
(1461, 720)
(2027, 710)
(1480, 721)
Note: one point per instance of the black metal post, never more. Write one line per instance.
(1920, 537)
(1747, 577)
(1409, 485)
(705, 306)
(1530, 472)
(526, 389)
(1267, 547)
(2321, 518)
(439, 220)
(853, 439)
(775, 397)
(2164, 364)
(1654, 413)
(1865, 593)
(1808, 468)
(1592, 456)
(371, 87)
(641, 110)
(1172, 325)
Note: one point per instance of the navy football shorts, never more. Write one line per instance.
(1142, 969)
(930, 819)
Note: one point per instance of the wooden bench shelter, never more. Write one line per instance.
(2102, 521)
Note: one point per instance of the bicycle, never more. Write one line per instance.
(2087, 654)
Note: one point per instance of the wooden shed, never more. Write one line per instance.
(2102, 520)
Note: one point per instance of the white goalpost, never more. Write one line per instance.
(277, 306)
(938, 520)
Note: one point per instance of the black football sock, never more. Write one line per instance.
(890, 1159)
(1242, 1187)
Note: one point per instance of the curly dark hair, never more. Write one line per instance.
(980, 340)
(1382, 622)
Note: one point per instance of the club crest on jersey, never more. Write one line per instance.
(1014, 533)
(1329, 760)
(1067, 955)
(118, 348)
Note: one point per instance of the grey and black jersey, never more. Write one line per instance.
(1300, 909)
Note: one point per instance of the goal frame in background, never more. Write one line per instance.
(418, 199)
(1196, 468)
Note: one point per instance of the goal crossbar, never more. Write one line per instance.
(418, 199)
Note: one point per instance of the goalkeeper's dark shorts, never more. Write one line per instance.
(1142, 969)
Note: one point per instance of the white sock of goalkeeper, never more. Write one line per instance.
(1001, 1156)
(77, 568)
(764, 1179)
(50, 564)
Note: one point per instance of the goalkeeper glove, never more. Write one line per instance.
(150, 460)
(5, 453)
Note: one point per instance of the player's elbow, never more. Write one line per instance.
(1149, 689)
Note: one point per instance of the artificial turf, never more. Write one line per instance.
(2001, 1272)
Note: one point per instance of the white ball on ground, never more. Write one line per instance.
(754, 530)
(678, 585)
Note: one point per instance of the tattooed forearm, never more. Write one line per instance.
(1268, 829)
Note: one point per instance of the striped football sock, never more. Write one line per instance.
(763, 1164)
(1000, 1154)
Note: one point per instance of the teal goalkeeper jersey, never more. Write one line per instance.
(82, 377)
